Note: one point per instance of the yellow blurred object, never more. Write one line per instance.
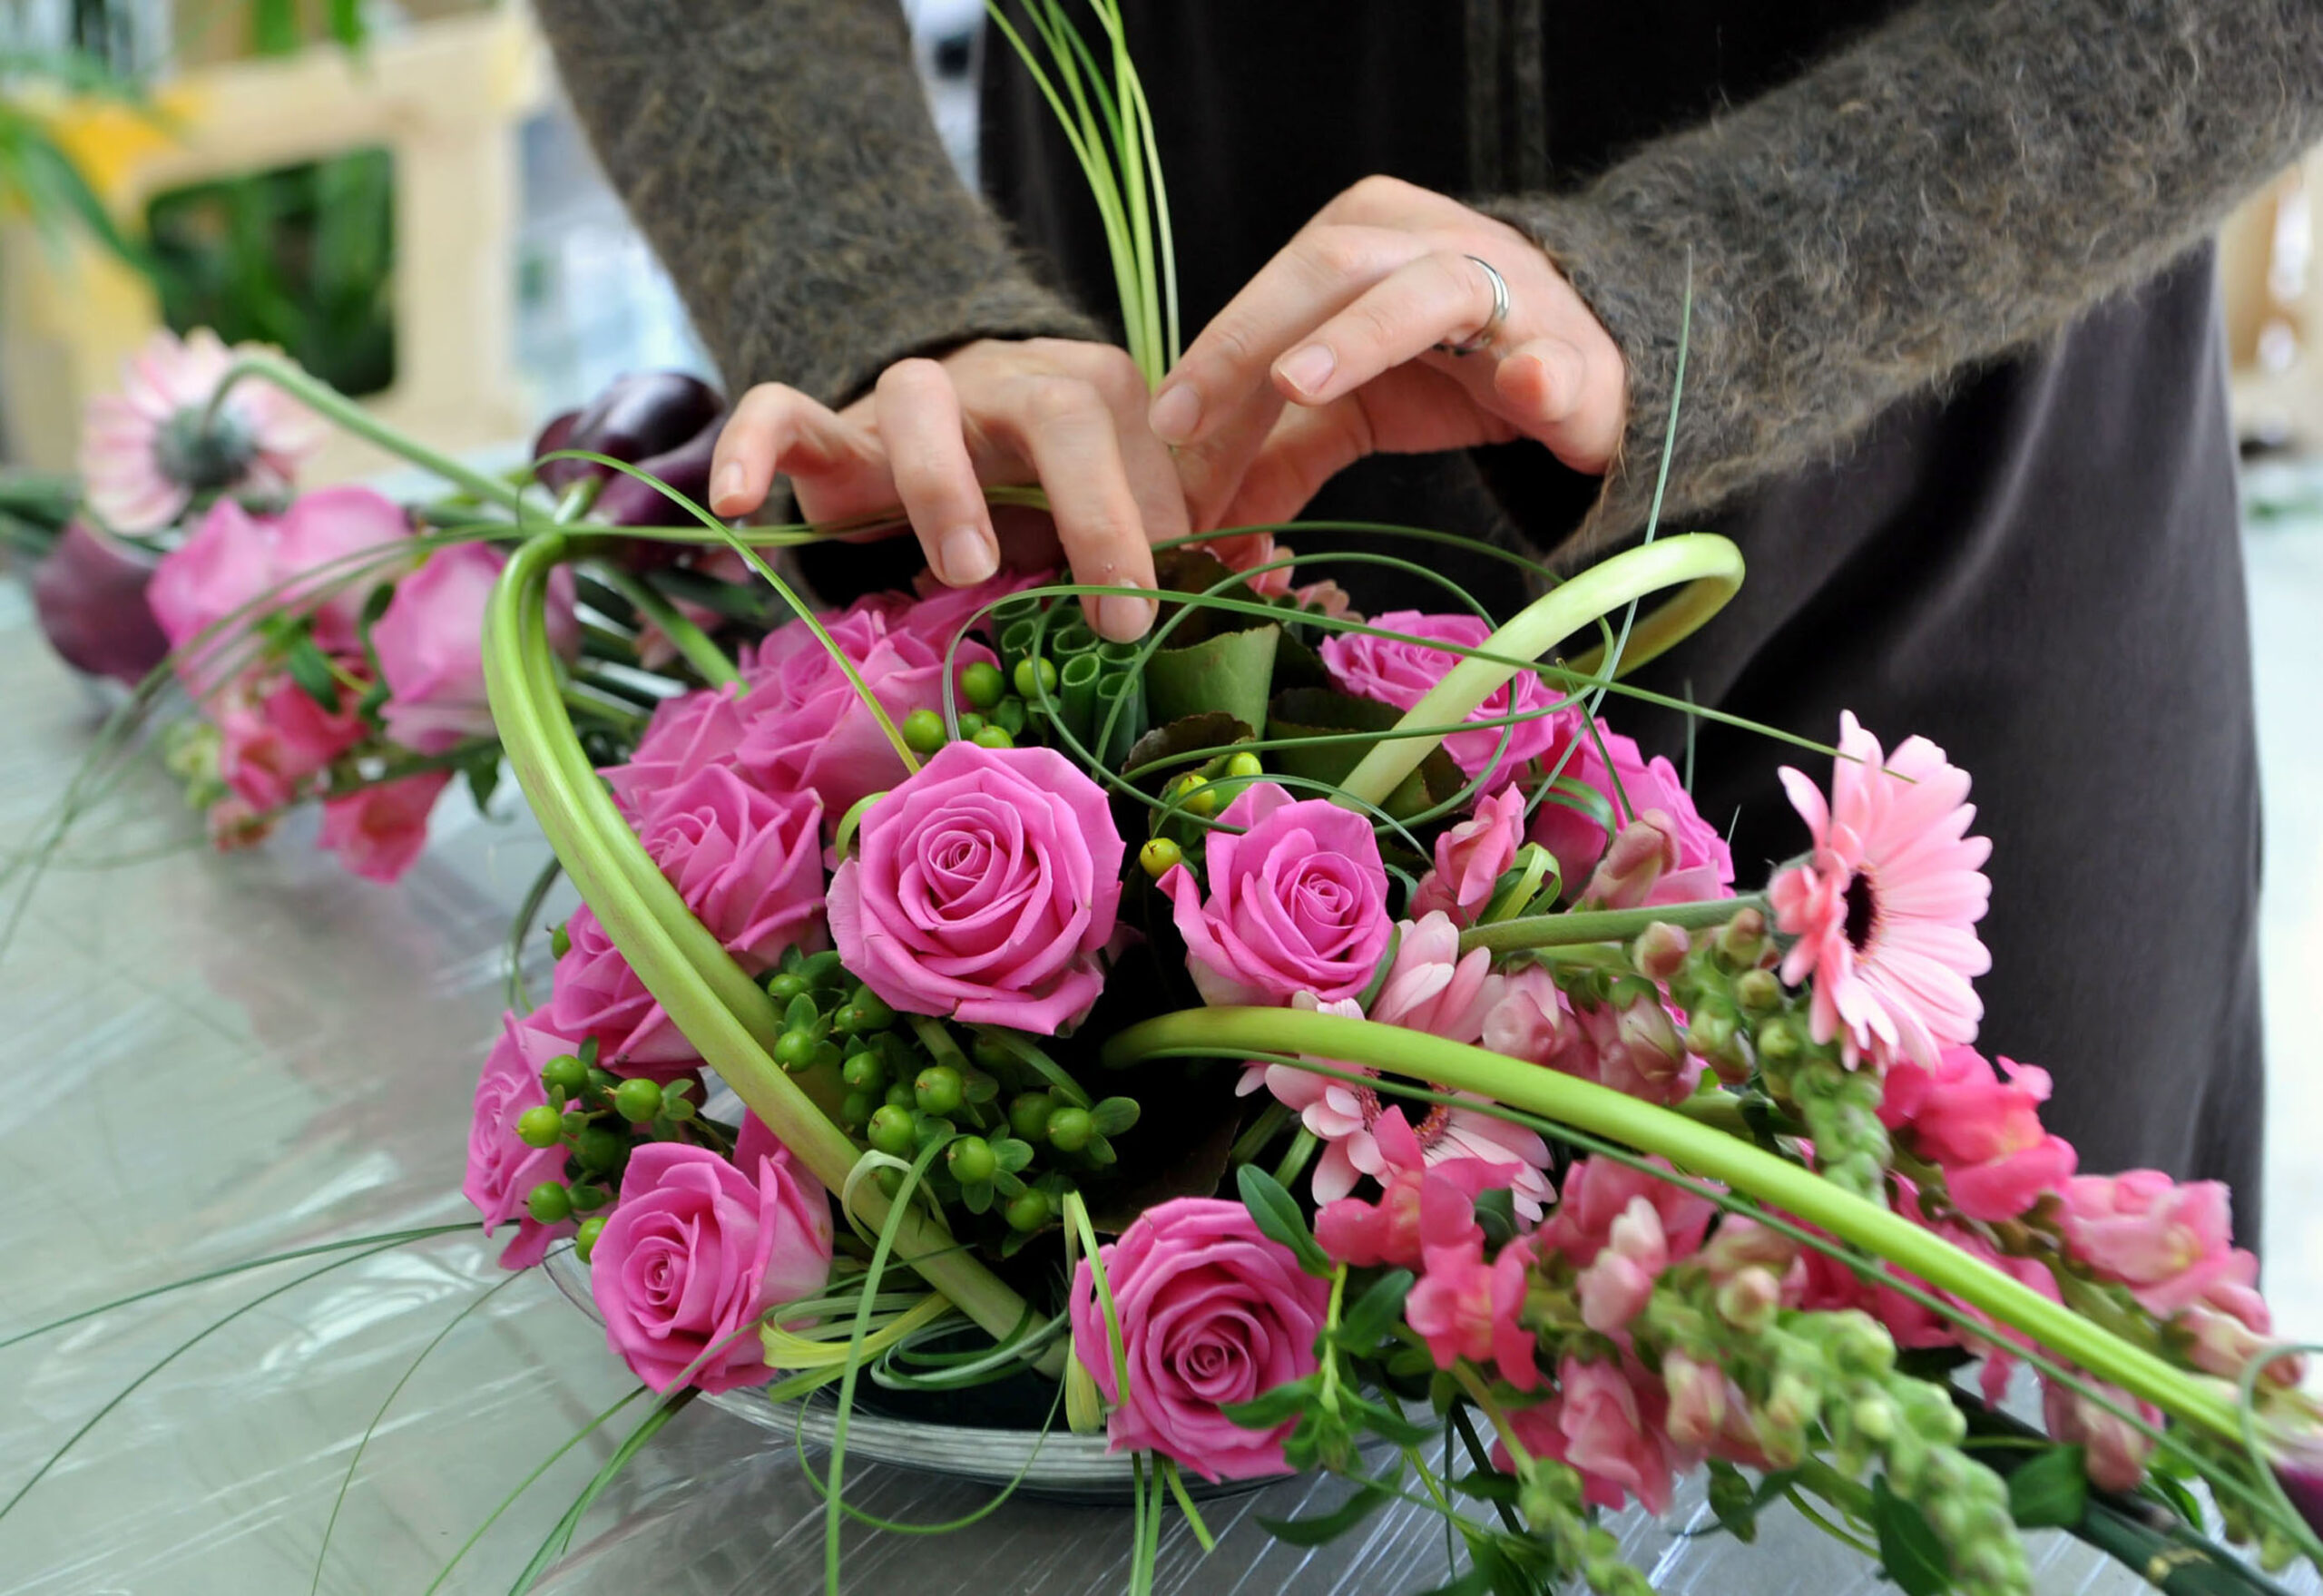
(2272, 286)
(445, 99)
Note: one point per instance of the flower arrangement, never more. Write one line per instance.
(1298, 1041)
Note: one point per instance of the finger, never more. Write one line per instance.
(778, 430)
(935, 481)
(1314, 276)
(1146, 460)
(1444, 297)
(1067, 430)
(1572, 401)
(1305, 450)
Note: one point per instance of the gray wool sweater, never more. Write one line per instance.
(1958, 181)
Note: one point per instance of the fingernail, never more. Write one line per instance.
(1175, 412)
(1309, 368)
(729, 486)
(967, 556)
(1122, 619)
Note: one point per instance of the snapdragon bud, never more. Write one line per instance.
(1742, 942)
(1758, 992)
(1748, 1302)
(1659, 951)
(1639, 856)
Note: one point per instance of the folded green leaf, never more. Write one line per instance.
(1276, 1215)
(1233, 671)
(2049, 1492)
(1909, 1549)
(1308, 711)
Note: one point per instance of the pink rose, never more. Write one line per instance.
(806, 726)
(983, 887)
(1211, 1313)
(1402, 673)
(351, 540)
(223, 567)
(596, 993)
(501, 1169)
(688, 733)
(1471, 857)
(695, 1253)
(269, 747)
(749, 865)
(1298, 901)
(1983, 1129)
(430, 645)
(2170, 1244)
(380, 830)
(1703, 867)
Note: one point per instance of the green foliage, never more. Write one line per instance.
(1276, 1214)
(1909, 1549)
(2050, 1491)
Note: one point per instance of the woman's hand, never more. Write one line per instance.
(933, 433)
(1330, 354)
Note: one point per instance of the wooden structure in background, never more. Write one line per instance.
(2272, 281)
(444, 98)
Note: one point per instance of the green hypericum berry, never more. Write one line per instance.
(540, 1126)
(584, 1240)
(1028, 1211)
(938, 1090)
(971, 1159)
(983, 684)
(565, 1073)
(560, 941)
(1159, 857)
(549, 1202)
(788, 984)
(1245, 766)
(858, 1107)
(1028, 1116)
(1033, 677)
(599, 1149)
(876, 1015)
(847, 1019)
(637, 1101)
(923, 730)
(993, 736)
(586, 1197)
(865, 1071)
(1200, 799)
(1070, 1128)
(900, 1095)
(795, 1050)
(891, 1131)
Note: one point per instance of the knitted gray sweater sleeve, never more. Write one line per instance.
(1959, 182)
(780, 156)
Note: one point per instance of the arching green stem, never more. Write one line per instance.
(327, 401)
(1738, 1164)
(1707, 567)
(1604, 925)
(720, 1009)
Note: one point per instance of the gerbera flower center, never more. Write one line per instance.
(204, 454)
(1426, 1132)
(1863, 910)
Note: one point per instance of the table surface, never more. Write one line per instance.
(216, 1059)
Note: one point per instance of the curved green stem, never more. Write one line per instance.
(1709, 567)
(718, 1007)
(327, 401)
(1705, 1152)
(1585, 925)
(705, 656)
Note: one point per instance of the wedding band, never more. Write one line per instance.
(1482, 337)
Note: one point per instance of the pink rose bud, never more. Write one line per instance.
(1470, 858)
(1641, 852)
(430, 645)
(503, 1169)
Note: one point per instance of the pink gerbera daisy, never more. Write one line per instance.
(1885, 907)
(150, 451)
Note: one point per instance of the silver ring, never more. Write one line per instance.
(1482, 337)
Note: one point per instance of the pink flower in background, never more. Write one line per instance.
(1634, 1049)
(1611, 1436)
(380, 831)
(148, 450)
(691, 732)
(1615, 1287)
(2117, 1451)
(1298, 901)
(1326, 597)
(1402, 673)
(596, 993)
(502, 1169)
(1701, 865)
(347, 540)
(430, 645)
(2171, 1244)
(225, 565)
(749, 865)
(1598, 1193)
(1418, 1201)
(695, 1252)
(1211, 1313)
(271, 747)
(1983, 1129)
(806, 728)
(1885, 907)
(1247, 550)
(1471, 857)
(983, 888)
